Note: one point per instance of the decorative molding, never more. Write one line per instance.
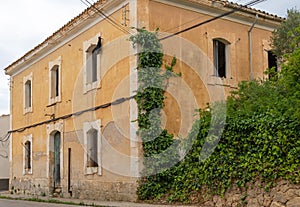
(50, 129)
(25, 139)
(84, 22)
(86, 127)
(25, 79)
(51, 64)
(86, 45)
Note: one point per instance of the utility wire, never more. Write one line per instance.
(116, 102)
(5, 138)
(109, 19)
(251, 3)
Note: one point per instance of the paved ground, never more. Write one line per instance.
(21, 203)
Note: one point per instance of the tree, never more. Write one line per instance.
(286, 37)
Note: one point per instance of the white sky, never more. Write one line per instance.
(26, 23)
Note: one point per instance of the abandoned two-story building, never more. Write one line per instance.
(71, 96)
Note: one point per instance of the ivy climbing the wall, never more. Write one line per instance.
(160, 147)
(260, 140)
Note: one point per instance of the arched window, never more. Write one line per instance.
(92, 148)
(27, 155)
(92, 50)
(92, 64)
(28, 94)
(220, 48)
(55, 81)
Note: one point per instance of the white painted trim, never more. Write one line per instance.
(230, 38)
(86, 127)
(11, 127)
(25, 139)
(67, 38)
(179, 3)
(25, 79)
(51, 64)
(50, 128)
(86, 45)
(134, 140)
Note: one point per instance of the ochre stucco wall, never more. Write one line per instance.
(196, 87)
(112, 184)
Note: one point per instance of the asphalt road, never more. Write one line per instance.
(19, 203)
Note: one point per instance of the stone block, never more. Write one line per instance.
(267, 201)
(281, 198)
(294, 202)
(276, 204)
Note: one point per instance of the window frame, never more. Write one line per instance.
(27, 171)
(88, 82)
(27, 109)
(226, 57)
(55, 88)
(88, 126)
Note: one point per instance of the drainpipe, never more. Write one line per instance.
(250, 46)
(69, 172)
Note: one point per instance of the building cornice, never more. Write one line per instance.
(88, 18)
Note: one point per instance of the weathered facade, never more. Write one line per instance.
(4, 151)
(71, 98)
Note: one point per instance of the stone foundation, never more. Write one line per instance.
(282, 195)
(104, 191)
(37, 187)
(90, 189)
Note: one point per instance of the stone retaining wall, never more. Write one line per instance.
(282, 195)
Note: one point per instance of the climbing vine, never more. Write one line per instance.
(159, 146)
(260, 140)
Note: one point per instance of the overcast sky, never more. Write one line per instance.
(26, 23)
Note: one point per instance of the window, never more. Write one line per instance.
(27, 155)
(55, 81)
(220, 57)
(27, 93)
(92, 147)
(91, 63)
(272, 64)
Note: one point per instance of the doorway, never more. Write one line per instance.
(56, 170)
